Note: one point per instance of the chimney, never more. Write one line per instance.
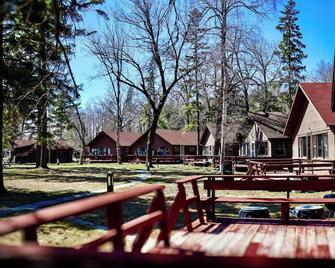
(333, 86)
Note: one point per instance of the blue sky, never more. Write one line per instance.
(316, 20)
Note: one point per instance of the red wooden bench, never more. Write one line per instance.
(212, 184)
(299, 166)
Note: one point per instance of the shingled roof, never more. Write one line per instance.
(319, 95)
(272, 124)
(178, 137)
(126, 138)
(20, 143)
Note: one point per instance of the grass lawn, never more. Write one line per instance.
(27, 184)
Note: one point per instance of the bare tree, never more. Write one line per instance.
(109, 50)
(219, 11)
(267, 64)
(323, 73)
(156, 36)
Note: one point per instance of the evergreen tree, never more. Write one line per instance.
(195, 59)
(291, 48)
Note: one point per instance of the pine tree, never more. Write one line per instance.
(291, 48)
(195, 59)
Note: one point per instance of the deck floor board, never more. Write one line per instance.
(256, 239)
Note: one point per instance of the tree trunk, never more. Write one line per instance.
(42, 133)
(82, 152)
(224, 83)
(118, 146)
(119, 123)
(151, 136)
(2, 186)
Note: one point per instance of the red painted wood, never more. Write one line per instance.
(74, 208)
(276, 200)
(274, 185)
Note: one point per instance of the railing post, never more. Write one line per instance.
(114, 221)
(198, 202)
(30, 234)
(186, 211)
(110, 181)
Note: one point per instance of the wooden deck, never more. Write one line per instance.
(255, 240)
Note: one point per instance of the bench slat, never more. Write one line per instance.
(272, 185)
(277, 200)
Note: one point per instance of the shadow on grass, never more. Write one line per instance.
(18, 197)
(131, 210)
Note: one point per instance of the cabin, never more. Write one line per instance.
(168, 142)
(25, 151)
(311, 122)
(233, 137)
(103, 146)
(266, 136)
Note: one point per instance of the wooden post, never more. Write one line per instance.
(110, 181)
(285, 213)
(115, 220)
(187, 216)
(212, 216)
(30, 234)
(198, 202)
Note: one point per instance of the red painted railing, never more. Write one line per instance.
(112, 202)
(155, 158)
(101, 158)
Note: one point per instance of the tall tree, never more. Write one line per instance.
(156, 34)
(291, 49)
(220, 12)
(195, 59)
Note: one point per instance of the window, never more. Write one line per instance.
(245, 149)
(141, 151)
(315, 146)
(320, 145)
(95, 151)
(261, 148)
(281, 149)
(106, 151)
(162, 151)
(302, 146)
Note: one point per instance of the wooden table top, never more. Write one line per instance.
(264, 240)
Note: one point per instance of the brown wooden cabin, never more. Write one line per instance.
(103, 146)
(24, 151)
(311, 122)
(266, 137)
(171, 144)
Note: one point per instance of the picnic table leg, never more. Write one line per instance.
(285, 213)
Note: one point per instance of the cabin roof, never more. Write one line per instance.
(319, 95)
(178, 137)
(126, 138)
(55, 144)
(20, 143)
(272, 124)
(234, 133)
